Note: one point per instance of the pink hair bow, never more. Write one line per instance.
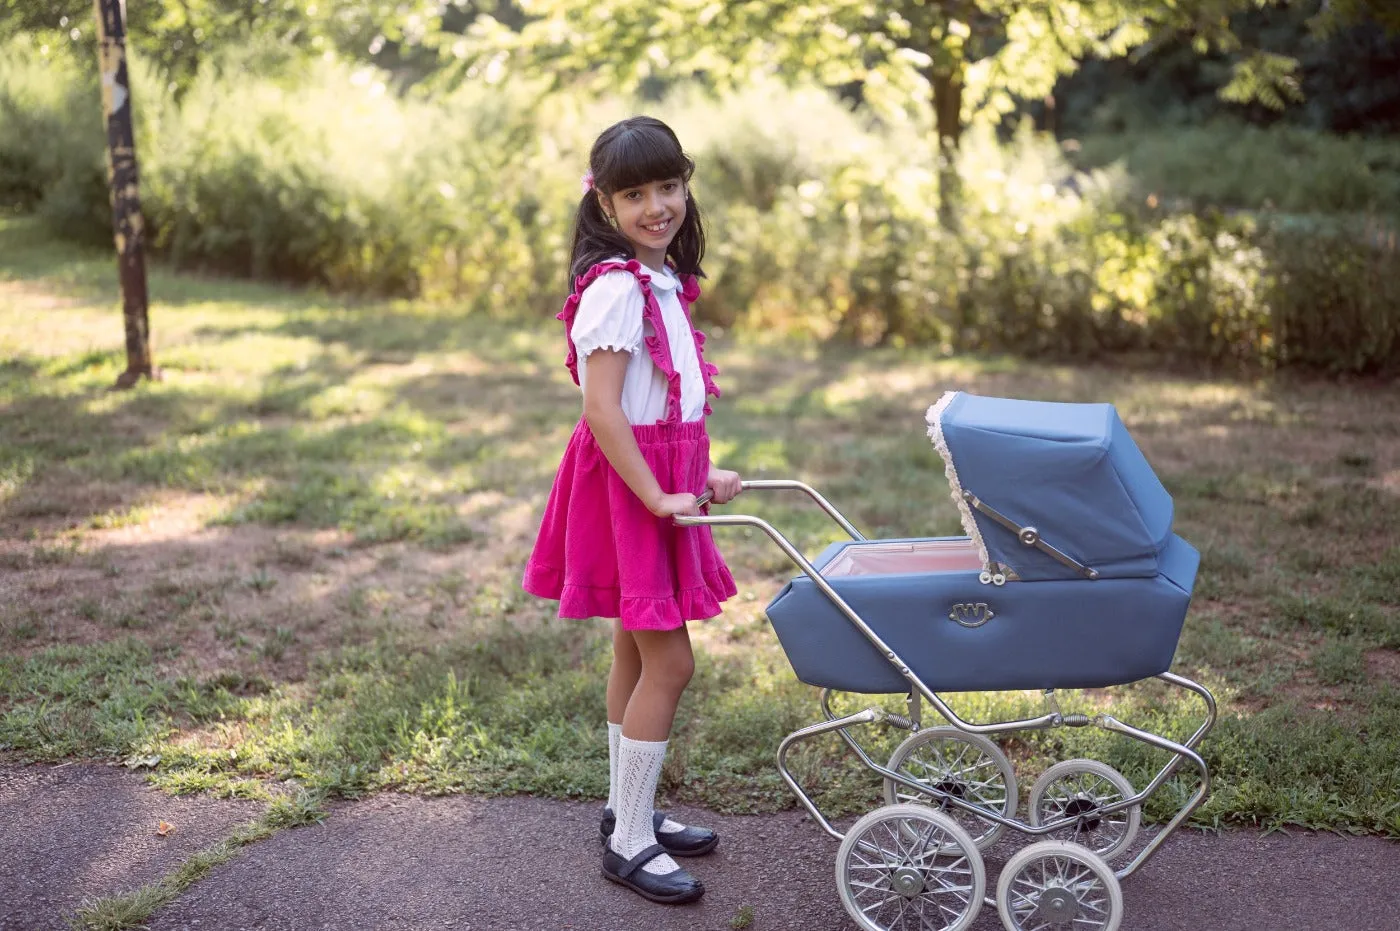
(588, 182)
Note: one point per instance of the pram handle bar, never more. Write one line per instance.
(765, 484)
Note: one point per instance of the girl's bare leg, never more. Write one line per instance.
(667, 665)
(626, 669)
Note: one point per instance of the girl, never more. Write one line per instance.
(638, 457)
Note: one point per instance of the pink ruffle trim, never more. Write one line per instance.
(689, 291)
(577, 602)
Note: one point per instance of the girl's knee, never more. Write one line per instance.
(674, 671)
(683, 669)
(669, 661)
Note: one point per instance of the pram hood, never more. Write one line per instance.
(1070, 471)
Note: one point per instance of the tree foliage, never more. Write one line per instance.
(983, 54)
(967, 59)
(177, 35)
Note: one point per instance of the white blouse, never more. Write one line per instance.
(610, 317)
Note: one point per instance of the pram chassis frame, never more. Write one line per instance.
(918, 689)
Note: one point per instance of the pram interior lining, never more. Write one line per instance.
(902, 558)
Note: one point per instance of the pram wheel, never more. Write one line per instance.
(966, 766)
(910, 868)
(1052, 885)
(1080, 788)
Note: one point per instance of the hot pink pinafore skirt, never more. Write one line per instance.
(600, 552)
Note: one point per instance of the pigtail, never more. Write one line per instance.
(687, 250)
(595, 239)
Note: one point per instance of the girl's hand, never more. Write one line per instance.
(725, 484)
(671, 505)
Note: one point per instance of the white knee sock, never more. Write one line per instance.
(638, 768)
(614, 735)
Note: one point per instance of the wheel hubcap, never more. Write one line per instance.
(1087, 813)
(907, 882)
(1058, 906)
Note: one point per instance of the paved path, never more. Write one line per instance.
(75, 832)
(519, 864)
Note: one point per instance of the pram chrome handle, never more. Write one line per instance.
(776, 485)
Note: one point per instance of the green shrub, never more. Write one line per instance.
(823, 220)
(40, 94)
(1335, 299)
(331, 178)
(1239, 166)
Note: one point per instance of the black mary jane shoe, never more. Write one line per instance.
(675, 888)
(688, 842)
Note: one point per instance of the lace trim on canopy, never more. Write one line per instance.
(935, 432)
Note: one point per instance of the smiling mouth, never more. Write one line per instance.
(657, 227)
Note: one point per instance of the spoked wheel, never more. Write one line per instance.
(1080, 789)
(1054, 886)
(965, 766)
(910, 868)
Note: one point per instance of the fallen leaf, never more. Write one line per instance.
(164, 828)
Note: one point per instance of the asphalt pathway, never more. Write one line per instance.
(518, 864)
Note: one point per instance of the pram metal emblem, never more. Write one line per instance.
(970, 614)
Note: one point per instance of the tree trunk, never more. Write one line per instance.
(128, 228)
(947, 87)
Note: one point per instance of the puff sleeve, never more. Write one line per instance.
(609, 315)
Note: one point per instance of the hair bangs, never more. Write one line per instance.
(640, 153)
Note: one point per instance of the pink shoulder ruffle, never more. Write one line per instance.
(658, 346)
(689, 294)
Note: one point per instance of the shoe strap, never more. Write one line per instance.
(641, 859)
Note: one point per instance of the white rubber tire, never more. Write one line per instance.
(954, 837)
(983, 833)
(1120, 782)
(1113, 892)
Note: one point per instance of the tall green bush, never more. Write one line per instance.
(823, 221)
(1229, 164)
(43, 136)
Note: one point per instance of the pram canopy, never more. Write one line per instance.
(1069, 471)
(1096, 585)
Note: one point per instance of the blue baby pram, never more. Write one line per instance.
(1069, 577)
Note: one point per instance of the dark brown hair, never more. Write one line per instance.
(629, 154)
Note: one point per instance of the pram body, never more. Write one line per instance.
(1069, 576)
(1044, 635)
(1073, 472)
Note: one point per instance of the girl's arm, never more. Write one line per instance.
(602, 408)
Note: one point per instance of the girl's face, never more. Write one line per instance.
(649, 216)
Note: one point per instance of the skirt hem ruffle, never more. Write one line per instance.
(668, 612)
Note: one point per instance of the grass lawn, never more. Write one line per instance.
(293, 563)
